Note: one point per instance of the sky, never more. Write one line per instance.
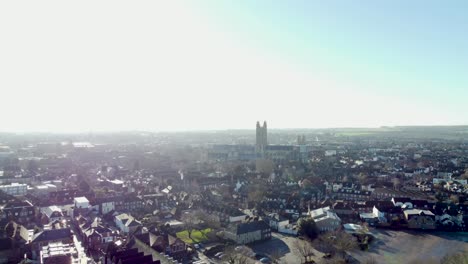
(79, 66)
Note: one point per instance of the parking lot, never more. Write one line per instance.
(283, 247)
(393, 246)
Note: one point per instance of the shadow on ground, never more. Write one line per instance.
(274, 246)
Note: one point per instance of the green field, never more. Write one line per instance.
(197, 236)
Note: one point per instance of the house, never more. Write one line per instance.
(344, 208)
(421, 204)
(63, 196)
(176, 248)
(16, 189)
(275, 221)
(222, 213)
(51, 214)
(127, 203)
(280, 224)
(402, 202)
(420, 219)
(157, 245)
(325, 219)
(96, 237)
(130, 256)
(94, 234)
(387, 214)
(45, 237)
(126, 223)
(157, 242)
(352, 195)
(103, 205)
(248, 232)
(22, 212)
(58, 252)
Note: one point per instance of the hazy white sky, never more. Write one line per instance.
(169, 65)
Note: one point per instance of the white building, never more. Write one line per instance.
(126, 223)
(249, 232)
(325, 219)
(53, 213)
(81, 202)
(16, 189)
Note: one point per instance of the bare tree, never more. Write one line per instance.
(454, 198)
(396, 182)
(465, 175)
(207, 219)
(232, 257)
(339, 240)
(256, 192)
(190, 220)
(275, 257)
(345, 242)
(362, 177)
(305, 249)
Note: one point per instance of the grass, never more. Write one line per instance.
(197, 236)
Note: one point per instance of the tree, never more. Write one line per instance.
(206, 219)
(190, 220)
(341, 241)
(232, 257)
(465, 175)
(454, 198)
(345, 241)
(84, 186)
(256, 192)
(33, 166)
(305, 249)
(442, 184)
(396, 183)
(306, 183)
(307, 227)
(275, 257)
(362, 177)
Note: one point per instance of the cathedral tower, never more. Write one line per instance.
(261, 138)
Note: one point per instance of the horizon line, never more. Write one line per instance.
(215, 130)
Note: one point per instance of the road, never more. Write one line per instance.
(81, 251)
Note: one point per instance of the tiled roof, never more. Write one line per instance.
(53, 234)
(248, 227)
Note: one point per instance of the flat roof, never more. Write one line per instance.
(81, 199)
